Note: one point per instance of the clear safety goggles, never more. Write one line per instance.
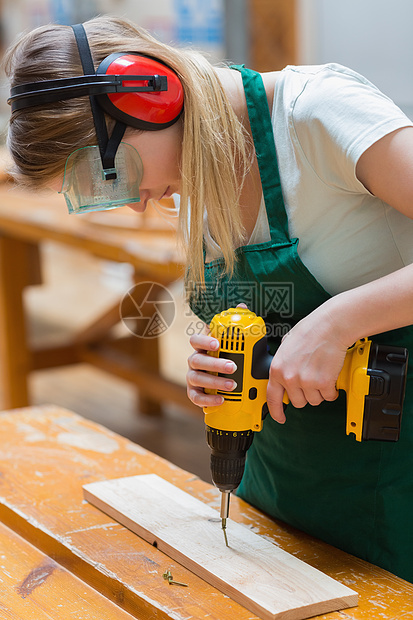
(86, 186)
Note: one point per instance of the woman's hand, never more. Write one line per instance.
(306, 365)
(200, 365)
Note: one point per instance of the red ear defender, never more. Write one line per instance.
(156, 109)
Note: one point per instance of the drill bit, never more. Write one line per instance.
(225, 497)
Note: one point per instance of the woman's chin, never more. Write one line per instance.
(138, 207)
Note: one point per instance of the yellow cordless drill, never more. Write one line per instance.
(373, 377)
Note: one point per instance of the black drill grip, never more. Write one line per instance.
(228, 452)
(383, 406)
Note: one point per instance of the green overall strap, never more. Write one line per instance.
(263, 136)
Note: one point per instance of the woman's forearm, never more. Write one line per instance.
(310, 357)
(373, 308)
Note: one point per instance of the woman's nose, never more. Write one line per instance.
(140, 206)
(144, 196)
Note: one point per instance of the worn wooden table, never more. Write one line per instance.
(62, 558)
(27, 220)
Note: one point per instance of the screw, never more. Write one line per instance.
(168, 576)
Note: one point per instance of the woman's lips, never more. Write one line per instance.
(167, 193)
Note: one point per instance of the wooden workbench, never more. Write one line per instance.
(27, 220)
(62, 558)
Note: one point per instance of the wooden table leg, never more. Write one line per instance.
(147, 351)
(16, 272)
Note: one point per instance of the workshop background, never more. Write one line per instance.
(370, 36)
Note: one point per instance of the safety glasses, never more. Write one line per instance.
(86, 186)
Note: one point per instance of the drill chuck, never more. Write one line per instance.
(228, 452)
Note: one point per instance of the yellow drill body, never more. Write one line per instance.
(238, 330)
(242, 337)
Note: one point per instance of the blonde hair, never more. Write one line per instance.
(215, 147)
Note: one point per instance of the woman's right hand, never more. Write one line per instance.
(200, 365)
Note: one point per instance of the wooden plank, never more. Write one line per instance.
(33, 585)
(265, 579)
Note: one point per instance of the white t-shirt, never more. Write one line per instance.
(324, 117)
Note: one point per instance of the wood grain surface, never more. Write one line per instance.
(48, 453)
(254, 572)
(34, 586)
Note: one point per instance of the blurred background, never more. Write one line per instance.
(370, 36)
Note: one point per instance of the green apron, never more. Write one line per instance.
(308, 472)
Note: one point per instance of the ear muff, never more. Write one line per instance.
(156, 109)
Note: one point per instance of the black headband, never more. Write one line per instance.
(38, 93)
(107, 147)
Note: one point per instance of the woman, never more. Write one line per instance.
(297, 181)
